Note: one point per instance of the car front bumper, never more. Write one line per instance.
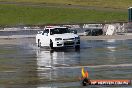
(66, 43)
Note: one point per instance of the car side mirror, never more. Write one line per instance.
(74, 31)
(46, 34)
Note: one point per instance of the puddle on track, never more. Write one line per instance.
(26, 66)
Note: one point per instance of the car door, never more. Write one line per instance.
(45, 39)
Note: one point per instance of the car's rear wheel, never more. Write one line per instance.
(39, 43)
(51, 44)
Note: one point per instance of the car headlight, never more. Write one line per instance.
(77, 38)
(57, 39)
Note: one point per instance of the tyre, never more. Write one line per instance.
(77, 47)
(39, 43)
(51, 44)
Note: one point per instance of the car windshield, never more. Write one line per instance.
(59, 31)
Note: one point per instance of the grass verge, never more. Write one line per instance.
(35, 15)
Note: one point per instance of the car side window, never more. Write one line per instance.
(45, 31)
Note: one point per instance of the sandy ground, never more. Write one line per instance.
(31, 40)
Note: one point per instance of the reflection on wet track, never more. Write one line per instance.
(25, 66)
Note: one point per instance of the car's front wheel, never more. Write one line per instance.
(77, 47)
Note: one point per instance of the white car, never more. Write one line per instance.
(55, 37)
